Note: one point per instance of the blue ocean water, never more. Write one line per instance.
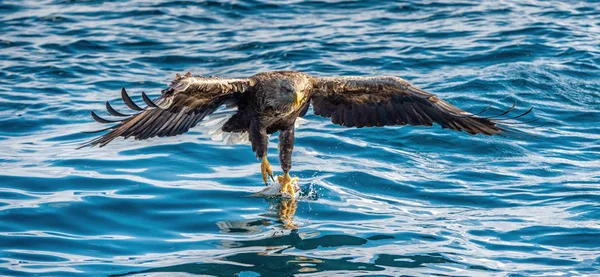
(395, 201)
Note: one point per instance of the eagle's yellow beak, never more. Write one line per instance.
(297, 100)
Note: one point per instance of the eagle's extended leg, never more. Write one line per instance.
(259, 140)
(265, 168)
(286, 145)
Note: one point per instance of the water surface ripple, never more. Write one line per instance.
(384, 201)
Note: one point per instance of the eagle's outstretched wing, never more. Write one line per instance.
(384, 101)
(180, 107)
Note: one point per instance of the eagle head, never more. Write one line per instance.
(289, 93)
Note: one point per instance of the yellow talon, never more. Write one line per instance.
(265, 168)
(287, 183)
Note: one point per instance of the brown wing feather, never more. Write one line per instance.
(385, 101)
(180, 107)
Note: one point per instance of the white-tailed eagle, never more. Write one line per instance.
(272, 101)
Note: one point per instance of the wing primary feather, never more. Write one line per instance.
(427, 121)
(417, 113)
(476, 114)
(359, 115)
(164, 120)
(124, 126)
(338, 116)
(410, 114)
(463, 127)
(390, 111)
(138, 125)
(371, 114)
(402, 117)
(100, 119)
(383, 119)
(148, 101)
(89, 143)
(180, 127)
(515, 117)
(198, 118)
(169, 124)
(165, 124)
(98, 131)
(187, 124)
(159, 124)
(348, 118)
(184, 123)
(505, 112)
(146, 128)
(452, 125)
(114, 112)
(481, 127)
(132, 105)
(175, 129)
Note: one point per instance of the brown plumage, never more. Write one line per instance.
(270, 102)
(386, 101)
(180, 107)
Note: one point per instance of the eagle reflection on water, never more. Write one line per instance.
(281, 209)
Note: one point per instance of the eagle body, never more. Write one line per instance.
(273, 105)
(271, 102)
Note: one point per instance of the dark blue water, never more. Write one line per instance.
(385, 201)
